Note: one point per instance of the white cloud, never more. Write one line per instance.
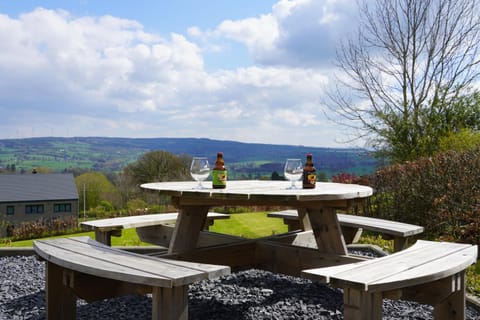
(296, 32)
(81, 76)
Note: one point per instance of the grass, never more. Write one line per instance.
(255, 225)
(129, 238)
(248, 225)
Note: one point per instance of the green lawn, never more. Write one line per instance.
(252, 225)
(248, 225)
(129, 238)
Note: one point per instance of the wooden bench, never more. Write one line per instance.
(82, 267)
(352, 227)
(105, 228)
(428, 272)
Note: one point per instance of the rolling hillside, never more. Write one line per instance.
(246, 160)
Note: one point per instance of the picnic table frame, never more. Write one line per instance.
(318, 205)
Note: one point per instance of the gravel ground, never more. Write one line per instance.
(252, 294)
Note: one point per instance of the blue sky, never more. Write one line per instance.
(251, 71)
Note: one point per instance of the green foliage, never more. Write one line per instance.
(97, 189)
(159, 166)
(106, 205)
(44, 227)
(134, 205)
(434, 128)
(376, 239)
(441, 193)
(473, 279)
(463, 140)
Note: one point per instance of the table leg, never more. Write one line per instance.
(190, 221)
(327, 230)
(303, 219)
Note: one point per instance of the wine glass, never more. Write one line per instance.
(293, 171)
(199, 169)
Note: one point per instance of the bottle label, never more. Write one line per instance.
(309, 179)
(219, 178)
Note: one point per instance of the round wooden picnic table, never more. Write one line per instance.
(316, 207)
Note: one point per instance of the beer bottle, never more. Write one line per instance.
(309, 173)
(219, 173)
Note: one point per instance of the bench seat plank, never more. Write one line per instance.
(82, 267)
(428, 272)
(87, 256)
(140, 221)
(105, 228)
(380, 225)
(425, 261)
(393, 228)
(352, 226)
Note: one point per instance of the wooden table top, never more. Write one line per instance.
(260, 189)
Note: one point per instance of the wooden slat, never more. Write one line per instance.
(373, 224)
(291, 260)
(87, 256)
(380, 225)
(140, 221)
(424, 262)
(255, 191)
(162, 234)
(430, 271)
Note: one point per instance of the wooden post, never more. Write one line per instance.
(103, 237)
(327, 230)
(303, 220)
(190, 221)
(453, 307)
(170, 303)
(61, 302)
(361, 305)
(399, 244)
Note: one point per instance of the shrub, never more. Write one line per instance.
(441, 193)
(44, 227)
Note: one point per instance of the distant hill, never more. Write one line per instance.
(246, 160)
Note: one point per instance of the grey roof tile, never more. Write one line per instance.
(37, 187)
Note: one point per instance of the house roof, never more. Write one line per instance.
(37, 187)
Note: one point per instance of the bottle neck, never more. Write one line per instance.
(220, 163)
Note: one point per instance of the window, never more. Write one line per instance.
(10, 210)
(62, 207)
(34, 208)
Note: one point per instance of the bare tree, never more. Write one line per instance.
(401, 73)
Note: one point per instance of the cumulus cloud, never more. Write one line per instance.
(67, 75)
(300, 33)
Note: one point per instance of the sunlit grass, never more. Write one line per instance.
(250, 225)
(254, 225)
(129, 238)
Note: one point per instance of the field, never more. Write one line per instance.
(245, 160)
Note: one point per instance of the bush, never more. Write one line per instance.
(44, 228)
(441, 193)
